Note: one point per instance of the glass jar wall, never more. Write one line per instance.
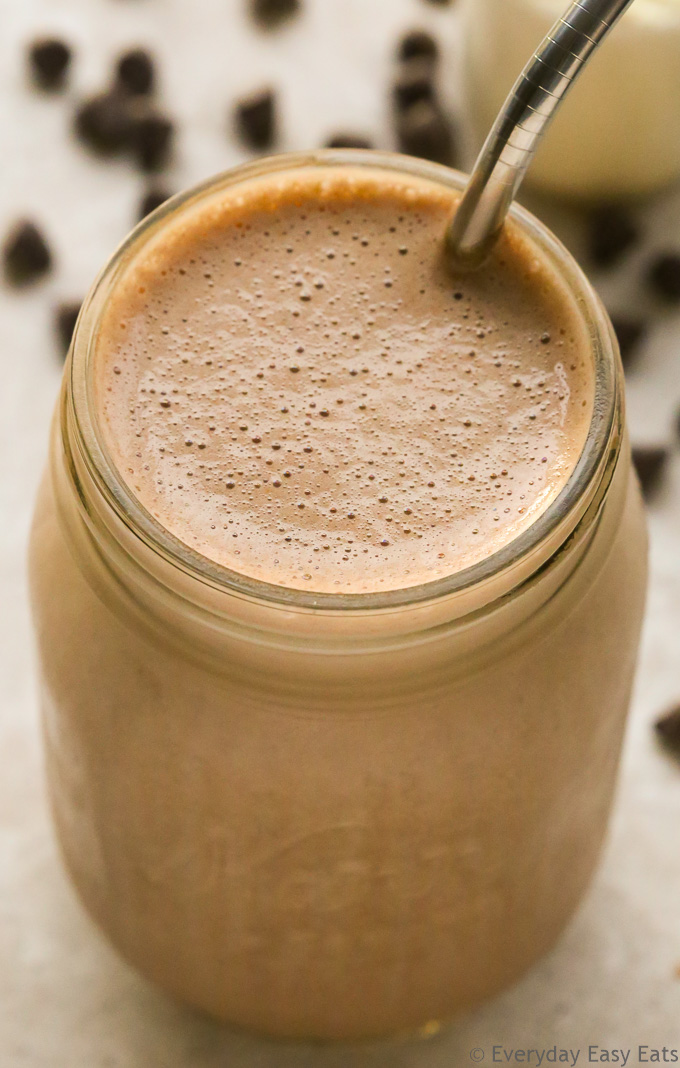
(333, 816)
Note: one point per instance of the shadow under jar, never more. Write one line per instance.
(333, 815)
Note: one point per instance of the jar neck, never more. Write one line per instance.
(142, 584)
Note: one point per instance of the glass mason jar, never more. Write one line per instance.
(618, 134)
(333, 815)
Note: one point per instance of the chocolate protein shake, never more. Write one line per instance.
(338, 573)
(293, 383)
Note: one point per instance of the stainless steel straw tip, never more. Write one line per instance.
(521, 124)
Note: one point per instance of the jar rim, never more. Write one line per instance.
(585, 476)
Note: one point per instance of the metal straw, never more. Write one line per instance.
(523, 120)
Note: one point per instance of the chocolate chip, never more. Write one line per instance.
(650, 462)
(151, 140)
(26, 254)
(629, 333)
(664, 276)
(255, 119)
(612, 232)
(668, 730)
(348, 140)
(49, 60)
(152, 199)
(418, 44)
(413, 83)
(104, 122)
(135, 72)
(65, 317)
(439, 3)
(423, 130)
(270, 13)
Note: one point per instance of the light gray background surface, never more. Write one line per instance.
(65, 998)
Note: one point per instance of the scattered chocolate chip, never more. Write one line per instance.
(629, 333)
(270, 13)
(612, 232)
(152, 199)
(135, 72)
(413, 83)
(418, 44)
(49, 60)
(348, 140)
(255, 119)
(104, 123)
(151, 139)
(650, 462)
(423, 130)
(664, 276)
(26, 254)
(65, 316)
(668, 729)
(439, 3)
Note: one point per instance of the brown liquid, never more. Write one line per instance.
(293, 384)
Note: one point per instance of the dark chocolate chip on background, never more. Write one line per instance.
(650, 461)
(668, 730)
(271, 13)
(49, 59)
(664, 276)
(629, 334)
(25, 253)
(103, 123)
(151, 140)
(413, 83)
(418, 44)
(255, 119)
(152, 199)
(65, 318)
(135, 72)
(611, 233)
(348, 140)
(423, 130)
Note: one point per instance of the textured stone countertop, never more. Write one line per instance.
(66, 1000)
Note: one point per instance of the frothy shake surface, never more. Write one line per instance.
(291, 381)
